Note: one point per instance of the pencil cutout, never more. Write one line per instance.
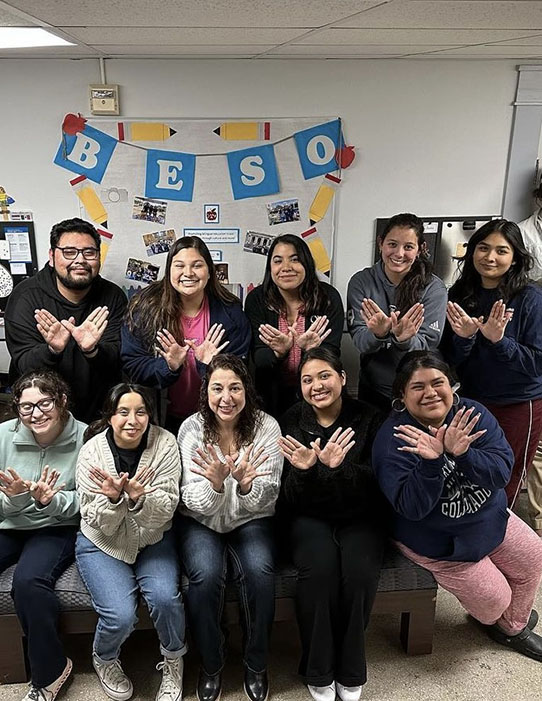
(144, 131)
(244, 131)
(318, 251)
(105, 238)
(323, 198)
(89, 199)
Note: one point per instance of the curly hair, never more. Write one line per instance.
(311, 292)
(49, 383)
(111, 403)
(250, 418)
(409, 290)
(159, 305)
(465, 291)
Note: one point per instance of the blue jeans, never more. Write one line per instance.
(41, 556)
(114, 588)
(205, 555)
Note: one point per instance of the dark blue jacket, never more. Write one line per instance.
(152, 371)
(506, 372)
(450, 508)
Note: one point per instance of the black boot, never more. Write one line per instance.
(256, 685)
(209, 686)
(526, 642)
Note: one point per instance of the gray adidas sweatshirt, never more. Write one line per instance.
(379, 356)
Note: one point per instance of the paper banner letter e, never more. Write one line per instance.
(87, 153)
(170, 175)
(253, 172)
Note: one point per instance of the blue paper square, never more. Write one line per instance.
(170, 175)
(253, 172)
(87, 153)
(316, 148)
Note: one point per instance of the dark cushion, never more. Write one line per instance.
(398, 574)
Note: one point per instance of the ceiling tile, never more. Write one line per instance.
(215, 50)
(11, 19)
(346, 51)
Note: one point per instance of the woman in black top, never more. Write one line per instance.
(330, 494)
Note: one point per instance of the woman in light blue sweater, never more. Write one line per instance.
(39, 517)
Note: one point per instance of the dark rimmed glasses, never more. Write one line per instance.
(71, 253)
(27, 408)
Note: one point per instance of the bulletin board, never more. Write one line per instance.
(18, 257)
(235, 184)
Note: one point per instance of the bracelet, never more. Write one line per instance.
(91, 352)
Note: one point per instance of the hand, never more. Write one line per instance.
(296, 453)
(88, 334)
(462, 324)
(336, 448)
(377, 322)
(210, 346)
(409, 324)
(136, 486)
(44, 489)
(427, 446)
(313, 336)
(173, 353)
(245, 470)
(211, 467)
(459, 436)
(496, 323)
(112, 487)
(11, 484)
(280, 343)
(55, 335)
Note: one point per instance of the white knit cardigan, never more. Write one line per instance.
(124, 528)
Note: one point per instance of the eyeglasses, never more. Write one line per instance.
(71, 253)
(27, 408)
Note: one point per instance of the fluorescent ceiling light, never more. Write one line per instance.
(23, 37)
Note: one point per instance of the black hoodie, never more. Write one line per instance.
(89, 378)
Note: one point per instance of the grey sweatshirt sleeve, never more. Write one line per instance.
(434, 301)
(359, 287)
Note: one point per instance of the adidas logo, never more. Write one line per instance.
(434, 326)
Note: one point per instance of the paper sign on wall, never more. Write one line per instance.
(88, 153)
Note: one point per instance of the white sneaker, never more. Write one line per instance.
(49, 693)
(113, 680)
(322, 693)
(349, 693)
(171, 688)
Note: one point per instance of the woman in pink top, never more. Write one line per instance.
(176, 326)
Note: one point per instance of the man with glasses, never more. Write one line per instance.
(67, 318)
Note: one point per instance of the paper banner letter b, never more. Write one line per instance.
(170, 175)
(253, 172)
(316, 148)
(87, 153)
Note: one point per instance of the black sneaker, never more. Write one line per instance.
(209, 686)
(256, 685)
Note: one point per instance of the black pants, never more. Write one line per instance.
(339, 568)
(41, 556)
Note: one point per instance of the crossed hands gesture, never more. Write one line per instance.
(454, 439)
(332, 455)
(466, 326)
(174, 354)
(57, 333)
(280, 343)
(113, 486)
(381, 325)
(42, 491)
(244, 472)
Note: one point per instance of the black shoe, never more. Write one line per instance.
(209, 686)
(526, 642)
(256, 685)
(533, 620)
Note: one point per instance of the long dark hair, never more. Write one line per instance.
(111, 403)
(465, 291)
(416, 360)
(159, 305)
(409, 290)
(49, 383)
(250, 418)
(311, 292)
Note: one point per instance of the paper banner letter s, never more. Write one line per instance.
(170, 175)
(253, 172)
(87, 152)
(316, 148)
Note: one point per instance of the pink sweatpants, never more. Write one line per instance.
(501, 587)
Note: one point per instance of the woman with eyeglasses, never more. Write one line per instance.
(39, 517)
(291, 312)
(176, 326)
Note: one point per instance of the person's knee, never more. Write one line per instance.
(29, 586)
(205, 574)
(490, 606)
(120, 615)
(164, 601)
(321, 572)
